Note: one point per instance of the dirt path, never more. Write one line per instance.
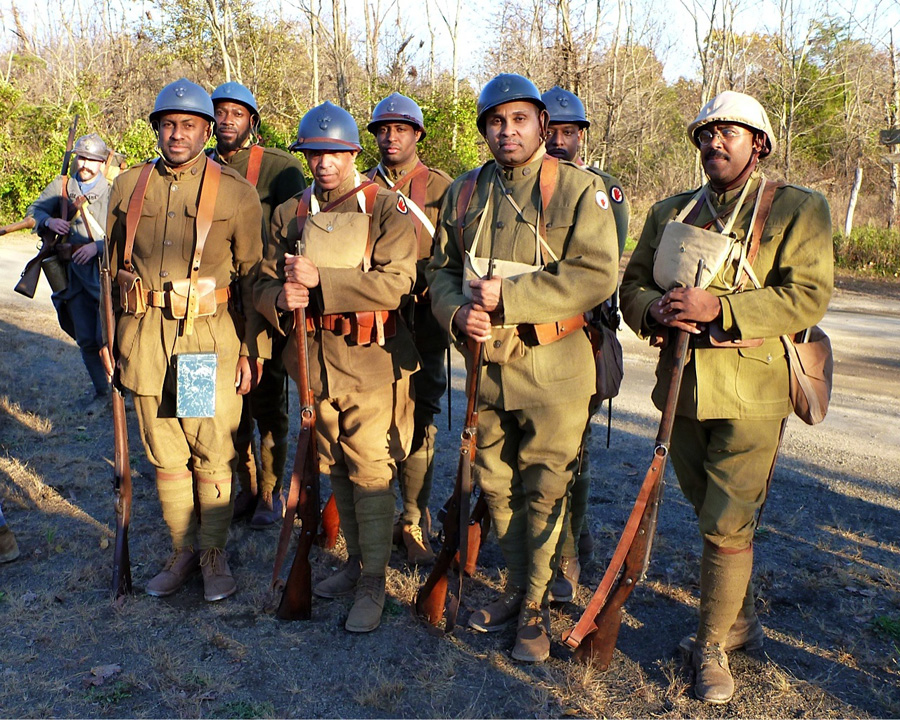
(827, 570)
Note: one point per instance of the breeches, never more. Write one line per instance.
(723, 468)
(205, 445)
(363, 435)
(524, 464)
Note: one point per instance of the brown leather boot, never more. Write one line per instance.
(180, 566)
(500, 613)
(565, 586)
(713, 682)
(218, 582)
(418, 548)
(533, 635)
(343, 582)
(746, 634)
(365, 615)
(9, 550)
(269, 510)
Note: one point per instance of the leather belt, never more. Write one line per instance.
(160, 298)
(546, 333)
(363, 327)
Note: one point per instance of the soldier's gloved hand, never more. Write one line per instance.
(292, 297)
(83, 254)
(300, 269)
(60, 227)
(487, 293)
(473, 321)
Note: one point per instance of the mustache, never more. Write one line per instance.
(717, 154)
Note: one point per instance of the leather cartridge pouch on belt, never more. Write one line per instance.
(183, 299)
(344, 240)
(683, 244)
(508, 342)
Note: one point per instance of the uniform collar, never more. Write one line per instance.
(217, 156)
(327, 196)
(395, 174)
(523, 173)
(729, 196)
(193, 169)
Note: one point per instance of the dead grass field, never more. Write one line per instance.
(827, 561)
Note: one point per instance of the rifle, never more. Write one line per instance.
(27, 284)
(331, 525)
(25, 224)
(303, 498)
(121, 580)
(431, 599)
(594, 636)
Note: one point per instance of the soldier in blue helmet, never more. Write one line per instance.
(361, 353)
(545, 229)
(568, 123)
(277, 176)
(398, 125)
(181, 229)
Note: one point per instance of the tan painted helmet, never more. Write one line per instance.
(730, 106)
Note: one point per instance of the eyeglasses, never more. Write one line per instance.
(725, 132)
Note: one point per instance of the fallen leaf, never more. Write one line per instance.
(101, 673)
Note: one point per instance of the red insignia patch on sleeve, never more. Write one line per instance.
(401, 205)
(616, 194)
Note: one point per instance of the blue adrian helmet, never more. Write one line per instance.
(183, 96)
(327, 127)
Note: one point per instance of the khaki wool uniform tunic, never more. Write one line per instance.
(430, 381)
(280, 178)
(533, 409)
(163, 249)
(733, 400)
(338, 368)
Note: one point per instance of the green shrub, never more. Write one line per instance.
(869, 250)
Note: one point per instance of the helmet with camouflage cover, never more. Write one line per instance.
(183, 96)
(327, 127)
(397, 108)
(506, 87)
(734, 107)
(91, 147)
(565, 107)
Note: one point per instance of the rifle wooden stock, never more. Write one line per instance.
(303, 498)
(596, 632)
(25, 224)
(121, 578)
(331, 525)
(431, 600)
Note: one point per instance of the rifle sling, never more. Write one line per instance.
(586, 622)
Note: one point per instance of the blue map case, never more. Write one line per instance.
(195, 375)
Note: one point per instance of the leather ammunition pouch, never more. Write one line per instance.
(176, 297)
(132, 296)
(361, 328)
(546, 333)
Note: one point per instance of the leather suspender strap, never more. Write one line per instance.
(462, 205)
(549, 176)
(254, 164)
(762, 215)
(133, 216)
(209, 190)
(303, 210)
(370, 190)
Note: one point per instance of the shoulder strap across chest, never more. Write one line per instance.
(254, 164)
